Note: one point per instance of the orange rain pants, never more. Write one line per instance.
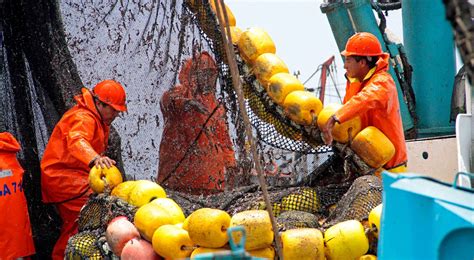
(194, 160)
(78, 137)
(16, 239)
(375, 100)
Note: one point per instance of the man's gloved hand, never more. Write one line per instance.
(102, 162)
(327, 130)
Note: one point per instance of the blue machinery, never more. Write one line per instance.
(422, 218)
(426, 219)
(429, 46)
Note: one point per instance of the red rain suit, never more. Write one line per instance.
(78, 138)
(16, 239)
(185, 165)
(375, 100)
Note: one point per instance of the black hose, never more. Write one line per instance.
(390, 6)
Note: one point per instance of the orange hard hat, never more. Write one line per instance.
(363, 44)
(111, 93)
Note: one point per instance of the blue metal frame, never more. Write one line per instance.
(429, 42)
(350, 16)
(423, 218)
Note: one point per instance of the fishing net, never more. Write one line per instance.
(86, 245)
(144, 46)
(302, 203)
(100, 209)
(296, 219)
(314, 200)
(90, 242)
(294, 207)
(271, 125)
(364, 195)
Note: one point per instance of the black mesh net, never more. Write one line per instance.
(90, 241)
(100, 209)
(364, 195)
(302, 204)
(85, 245)
(272, 126)
(296, 219)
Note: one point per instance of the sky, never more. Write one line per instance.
(302, 35)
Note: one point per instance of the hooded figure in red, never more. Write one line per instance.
(195, 149)
(77, 143)
(16, 239)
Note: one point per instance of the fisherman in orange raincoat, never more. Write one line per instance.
(195, 149)
(371, 94)
(16, 239)
(78, 142)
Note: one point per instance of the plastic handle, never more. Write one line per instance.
(456, 178)
(233, 245)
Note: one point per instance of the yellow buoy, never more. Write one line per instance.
(254, 42)
(302, 107)
(373, 147)
(258, 228)
(99, 178)
(123, 190)
(235, 33)
(208, 227)
(171, 207)
(346, 240)
(144, 191)
(149, 217)
(368, 257)
(282, 84)
(303, 243)
(374, 219)
(340, 132)
(267, 65)
(172, 242)
(267, 252)
(205, 250)
(230, 15)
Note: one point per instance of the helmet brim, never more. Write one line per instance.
(345, 53)
(122, 108)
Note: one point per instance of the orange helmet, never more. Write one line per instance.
(363, 44)
(111, 93)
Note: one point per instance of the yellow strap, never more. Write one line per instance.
(399, 169)
(368, 75)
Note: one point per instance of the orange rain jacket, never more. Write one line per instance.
(78, 137)
(375, 100)
(16, 239)
(201, 168)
